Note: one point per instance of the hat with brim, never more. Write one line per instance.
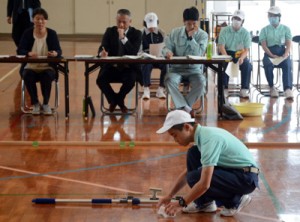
(174, 118)
(274, 10)
(151, 20)
(240, 14)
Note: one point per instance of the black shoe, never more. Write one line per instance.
(112, 107)
(124, 109)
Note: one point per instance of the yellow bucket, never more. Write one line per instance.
(249, 109)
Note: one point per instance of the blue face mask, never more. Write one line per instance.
(274, 20)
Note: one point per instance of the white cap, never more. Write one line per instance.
(274, 10)
(174, 118)
(151, 20)
(239, 13)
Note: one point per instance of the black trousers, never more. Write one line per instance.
(227, 185)
(45, 78)
(23, 22)
(126, 76)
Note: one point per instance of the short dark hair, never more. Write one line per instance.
(124, 12)
(40, 11)
(191, 13)
(180, 126)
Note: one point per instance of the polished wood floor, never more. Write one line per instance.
(117, 156)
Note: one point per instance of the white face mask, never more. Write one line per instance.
(236, 24)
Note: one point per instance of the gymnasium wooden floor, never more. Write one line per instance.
(113, 156)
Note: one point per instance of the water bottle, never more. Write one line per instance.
(209, 50)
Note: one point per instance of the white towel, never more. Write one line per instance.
(161, 212)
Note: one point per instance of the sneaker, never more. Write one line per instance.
(226, 93)
(47, 110)
(146, 94)
(194, 208)
(245, 200)
(288, 94)
(274, 92)
(36, 109)
(160, 93)
(244, 93)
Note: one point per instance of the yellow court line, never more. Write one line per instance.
(9, 73)
(72, 180)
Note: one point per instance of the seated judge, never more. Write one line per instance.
(35, 42)
(119, 40)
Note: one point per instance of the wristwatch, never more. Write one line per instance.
(182, 202)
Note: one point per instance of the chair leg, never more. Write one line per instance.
(26, 109)
(105, 110)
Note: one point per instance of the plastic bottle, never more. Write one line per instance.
(209, 50)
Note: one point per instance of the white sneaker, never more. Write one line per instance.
(288, 94)
(146, 94)
(36, 109)
(194, 208)
(244, 93)
(47, 110)
(245, 200)
(274, 92)
(226, 93)
(160, 93)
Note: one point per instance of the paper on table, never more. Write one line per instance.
(112, 57)
(132, 56)
(155, 49)
(4, 56)
(83, 56)
(232, 69)
(196, 57)
(178, 57)
(221, 57)
(277, 61)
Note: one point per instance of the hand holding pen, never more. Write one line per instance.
(103, 53)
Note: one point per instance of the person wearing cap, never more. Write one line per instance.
(235, 40)
(151, 34)
(182, 41)
(276, 40)
(119, 40)
(219, 168)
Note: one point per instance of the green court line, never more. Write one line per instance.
(278, 207)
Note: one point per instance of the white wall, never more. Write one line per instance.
(93, 16)
(4, 27)
(61, 15)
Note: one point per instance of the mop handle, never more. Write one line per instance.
(134, 201)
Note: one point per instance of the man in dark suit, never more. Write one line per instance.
(118, 41)
(19, 13)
